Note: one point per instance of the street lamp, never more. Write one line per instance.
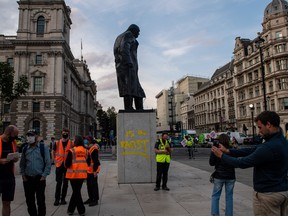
(33, 109)
(252, 119)
(258, 43)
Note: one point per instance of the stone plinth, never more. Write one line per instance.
(136, 136)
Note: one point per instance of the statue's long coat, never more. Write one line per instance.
(125, 53)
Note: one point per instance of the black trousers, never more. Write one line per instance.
(76, 198)
(162, 173)
(61, 183)
(190, 151)
(33, 186)
(92, 187)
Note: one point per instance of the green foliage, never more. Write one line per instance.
(107, 120)
(10, 90)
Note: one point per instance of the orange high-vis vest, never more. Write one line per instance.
(78, 169)
(90, 168)
(60, 153)
(13, 147)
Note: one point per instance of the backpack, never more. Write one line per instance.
(42, 151)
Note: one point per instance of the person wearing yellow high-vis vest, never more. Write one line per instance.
(163, 151)
(77, 163)
(189, 144)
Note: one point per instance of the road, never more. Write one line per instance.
(201, 161)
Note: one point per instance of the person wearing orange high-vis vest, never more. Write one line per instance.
(93, 170)
(60, 153)
(77, 163)
(7, 178)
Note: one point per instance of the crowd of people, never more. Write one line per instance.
(75, 161)
(78, 160)
(269, 160)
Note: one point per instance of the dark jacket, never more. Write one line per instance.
(270, 162)
(223, 170)
(125, 53)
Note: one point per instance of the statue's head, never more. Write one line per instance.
(134, 29)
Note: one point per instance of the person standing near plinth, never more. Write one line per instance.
(60, 150)
(163, 151)
(126, 63)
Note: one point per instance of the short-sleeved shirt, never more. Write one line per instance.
(6, 170)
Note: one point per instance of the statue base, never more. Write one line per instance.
(136, 136)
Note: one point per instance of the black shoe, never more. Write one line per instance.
(156, 188)
(93, 203)
(87, 202)
(83, 214)
(56, 203)
(63, 202)
(165, 188)
(70, 213)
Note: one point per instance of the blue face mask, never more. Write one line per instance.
(86, 143)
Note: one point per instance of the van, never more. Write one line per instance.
(238, 136)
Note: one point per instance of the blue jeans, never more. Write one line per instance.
(217, 189)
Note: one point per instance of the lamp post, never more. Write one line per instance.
(252, 119)
(33, 106)
(258, 43)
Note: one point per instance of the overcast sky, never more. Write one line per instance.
(177, 38)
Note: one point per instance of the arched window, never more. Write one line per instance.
(36, 125)
(40, 25)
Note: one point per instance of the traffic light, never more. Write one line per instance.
(178, 126)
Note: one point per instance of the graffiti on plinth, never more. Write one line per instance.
(135, 143)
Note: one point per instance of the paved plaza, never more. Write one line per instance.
(190, 194)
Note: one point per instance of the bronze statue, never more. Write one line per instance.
(125, 53)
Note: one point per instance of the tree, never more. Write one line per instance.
(9, 89)
(107, 121)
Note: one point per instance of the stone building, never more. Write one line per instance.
(214, 102)
(263, 60)
(61, 92)
(235, 92)
(171, 104)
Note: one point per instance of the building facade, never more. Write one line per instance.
(173, 104)
(61, 92)
(263, 60)
(212, 111)
(236, 92)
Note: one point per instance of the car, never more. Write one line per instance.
(250, 141)
(238, 136)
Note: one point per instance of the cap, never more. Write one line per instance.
(31, 132)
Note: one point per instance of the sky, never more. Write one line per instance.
(177, 38)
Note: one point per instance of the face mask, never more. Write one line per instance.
(65, 136)
(86, 143)
(31, 139)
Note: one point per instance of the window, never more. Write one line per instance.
(36, 125)
(36, 107)
(258, 108)
(271, 86)
(272, 106)
(38, 84)
(10, 62)
(280, 48)
(278, 35)
(250, 78)
(285, 103)
(38, 59)
(241, 80)
(282, 83)
(256, 75)
(257, 91)
(6, 108)
(251, 93)
(40, 25)
(281, 64)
